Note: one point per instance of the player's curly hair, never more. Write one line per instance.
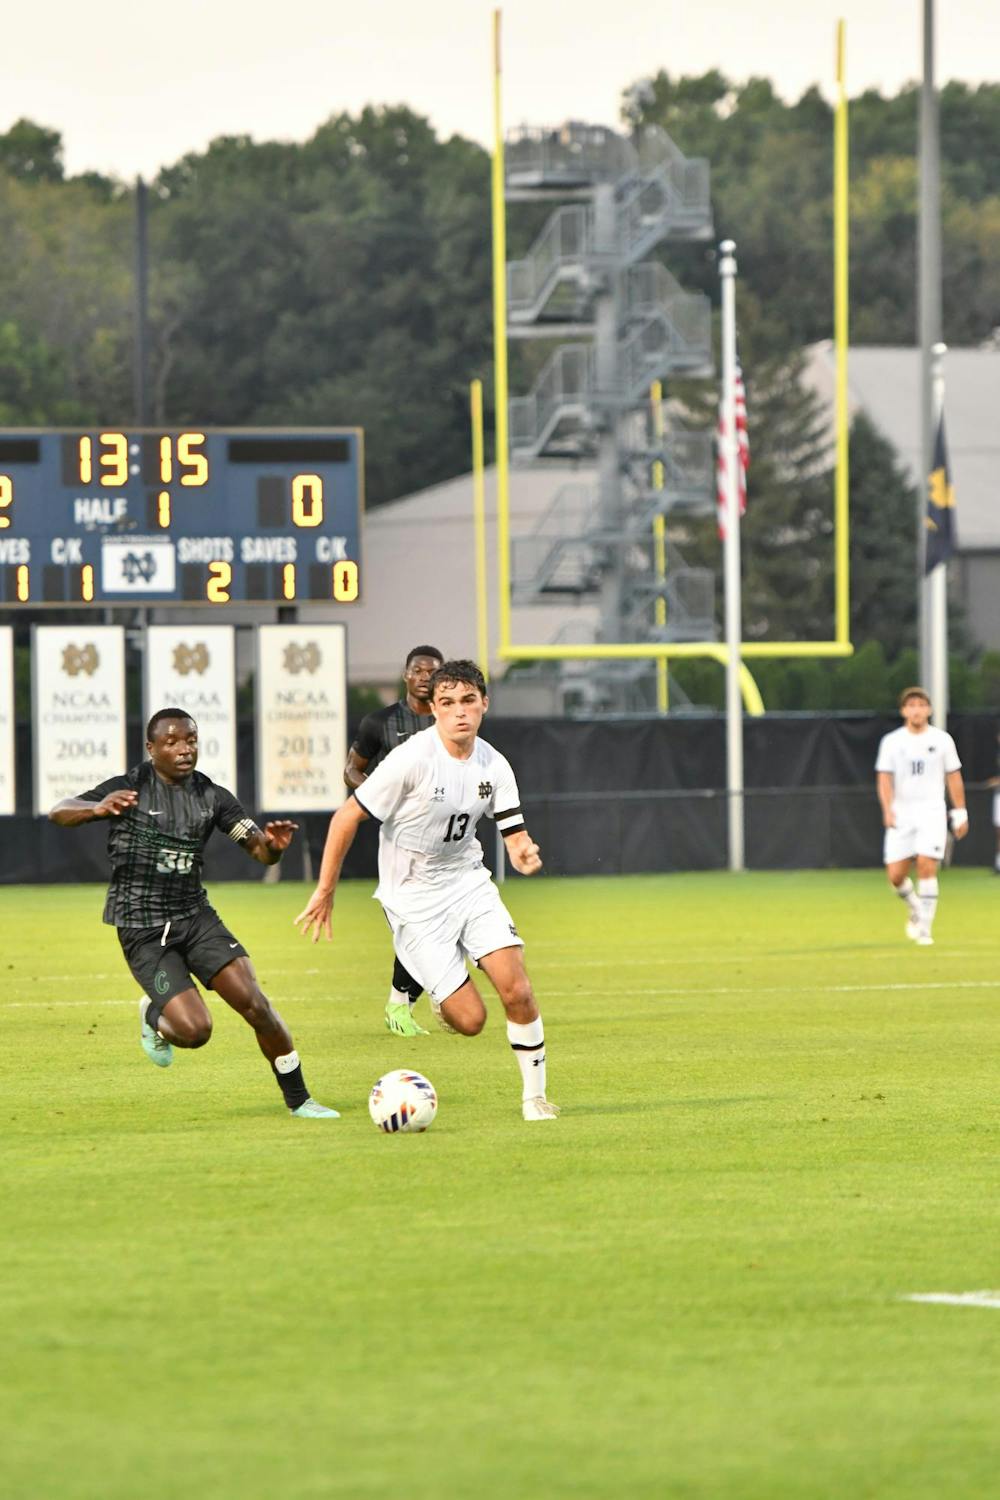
(451, 673)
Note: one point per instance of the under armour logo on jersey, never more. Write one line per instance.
(486, 789)
(438, 794)
(931, 749)
(513, 930)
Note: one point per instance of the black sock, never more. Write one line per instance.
(290, 1080)
(404, 981)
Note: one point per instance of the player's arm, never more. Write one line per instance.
(885, 785)
(315, 915)
(354, 771)
(523, 852)
(109, 800)
(959, 816)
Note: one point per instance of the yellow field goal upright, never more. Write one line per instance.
(841, 645)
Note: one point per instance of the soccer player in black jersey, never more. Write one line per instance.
(378, 734)
(162, 814)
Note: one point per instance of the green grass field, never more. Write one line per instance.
(779, 1119)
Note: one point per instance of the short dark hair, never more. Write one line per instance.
(913, 692)
(166, 713)
(424, 651)
(451, 672)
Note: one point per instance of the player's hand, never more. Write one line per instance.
(889, 820)
(525, 858)
(315, 916)
(279, 834)
(115, 803)
(958, 819)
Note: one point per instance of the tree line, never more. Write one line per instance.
(345, 279)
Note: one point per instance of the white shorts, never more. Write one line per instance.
(996, 809)
(434, 950)
(917, 831)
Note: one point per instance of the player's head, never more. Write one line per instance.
(172, 742)
(458, 698)
(915, 706)
(421, 662)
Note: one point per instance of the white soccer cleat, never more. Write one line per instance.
(912, 929)
(538, 1109)
(925, 940)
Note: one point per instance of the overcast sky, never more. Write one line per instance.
(133, 86)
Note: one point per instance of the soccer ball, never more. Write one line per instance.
(403, 1100)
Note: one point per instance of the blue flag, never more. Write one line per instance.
(942, 537)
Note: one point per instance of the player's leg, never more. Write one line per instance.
(927, 891)
(236, 983)
(404, 992)
(996, 828)
(223, 964)
(505, 970)
(898, 871)
(171, 1013)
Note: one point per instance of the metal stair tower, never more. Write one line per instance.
(623, 323)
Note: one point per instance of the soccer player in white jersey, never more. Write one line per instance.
(915, 765)
(442, 906)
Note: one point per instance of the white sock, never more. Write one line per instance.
(528, 1044)
(928, 903)
(996, 862)
(906, 893)
(400, 997)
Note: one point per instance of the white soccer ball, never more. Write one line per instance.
(403, 1100)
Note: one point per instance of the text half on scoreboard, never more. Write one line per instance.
(180, 517)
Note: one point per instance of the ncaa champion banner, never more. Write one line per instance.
(193, 667)
(6, 720)
(301, 717)
(78, 681)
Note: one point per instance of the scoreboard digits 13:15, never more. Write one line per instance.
(180, 517)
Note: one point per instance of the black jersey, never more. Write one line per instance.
(157, 847)
(383, 730)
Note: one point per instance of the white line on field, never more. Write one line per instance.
(956, 1299)
(787, 989)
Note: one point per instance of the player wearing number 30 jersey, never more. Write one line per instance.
(915, 766)
(441, 904)
(160, 816)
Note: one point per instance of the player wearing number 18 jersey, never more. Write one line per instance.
(915, 765)
(440, 902)
(161, 815)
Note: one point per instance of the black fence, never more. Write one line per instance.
(622, 797)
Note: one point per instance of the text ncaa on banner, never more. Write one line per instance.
(79, 709)
(301, 717)
(6, 720)
(193, 668)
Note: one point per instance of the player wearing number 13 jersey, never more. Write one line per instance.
(914, 767)
(162, 814)
(441, 904)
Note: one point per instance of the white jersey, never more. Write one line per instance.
(918, 764)
(429, 804)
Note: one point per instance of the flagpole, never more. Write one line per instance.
(937, 583)
(731, 561)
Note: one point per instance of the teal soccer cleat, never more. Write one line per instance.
(399, 1019)
(156, 1047)
(311, 1110)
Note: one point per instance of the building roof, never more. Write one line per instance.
(885, 383)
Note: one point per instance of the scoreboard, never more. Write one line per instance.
(167, 516)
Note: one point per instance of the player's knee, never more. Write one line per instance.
(519, 996)
(193, 1031)
(473, 1024)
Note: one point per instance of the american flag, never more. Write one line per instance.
(742, 452)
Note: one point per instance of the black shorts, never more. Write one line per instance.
(162, 959)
